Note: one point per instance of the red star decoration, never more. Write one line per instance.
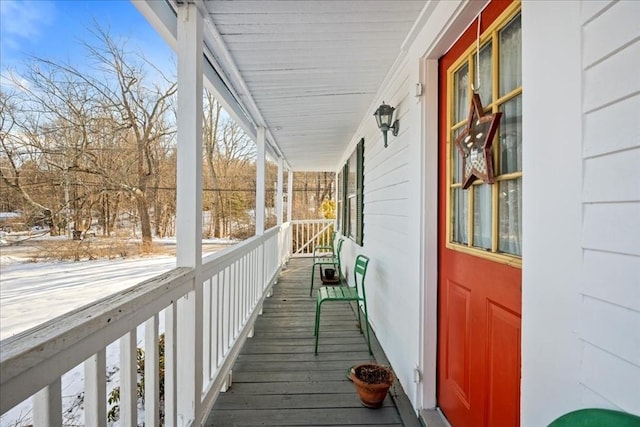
(474, 143)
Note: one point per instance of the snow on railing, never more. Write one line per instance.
(206, 314)
(309, 233)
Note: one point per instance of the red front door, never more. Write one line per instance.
(479, 227)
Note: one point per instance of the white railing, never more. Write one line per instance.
(205, 314)
(307, 234)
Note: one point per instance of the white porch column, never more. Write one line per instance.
(189, 212)
(289, 194)
(279, 207)
(260, 181)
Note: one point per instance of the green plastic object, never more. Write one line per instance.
(596, 417)
(346, 293)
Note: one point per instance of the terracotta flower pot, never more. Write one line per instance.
(372, 382)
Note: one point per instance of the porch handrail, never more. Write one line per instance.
(230, 287)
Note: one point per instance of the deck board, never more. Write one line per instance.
(277, 379)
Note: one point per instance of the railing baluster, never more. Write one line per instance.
(234, 300)
(170, 371)
(128, 380)
(206, 330)
(95, 390)
(151, 373)
(242, 298)
(254, 275)
(47, 406)
(225, 311)
(215, 328)
(219, 316)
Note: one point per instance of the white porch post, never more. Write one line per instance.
(260, 181)
(189, 212)
(279, 207)
(289, 194)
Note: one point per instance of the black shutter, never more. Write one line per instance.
(345, 210)
(339, 203)
(360, 193)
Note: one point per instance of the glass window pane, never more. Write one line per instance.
(510, 56)
(457, 158)
(486, 80)
(510, 217)
(352, 217)
(461, 93)
(460, 216)
(511, 136)
(482, 216)
(353, 169)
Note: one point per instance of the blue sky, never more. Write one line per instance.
(54, 29)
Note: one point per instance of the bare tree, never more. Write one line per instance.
(212, 113)
(18, 155)
(142, 110)
(229, 153)
(105, 130)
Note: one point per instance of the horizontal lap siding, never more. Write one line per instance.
(610, 313)
(389, 194)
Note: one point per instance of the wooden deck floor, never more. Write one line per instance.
(277, 379)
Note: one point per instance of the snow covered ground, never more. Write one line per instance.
(33, 293)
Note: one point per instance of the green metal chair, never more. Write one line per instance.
(327, 250)
(595, 417)
(322, 259)
(346, 293)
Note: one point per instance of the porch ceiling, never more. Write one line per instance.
(308, 70)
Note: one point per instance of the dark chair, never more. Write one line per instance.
(346, 293)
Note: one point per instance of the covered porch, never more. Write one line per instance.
(303, 79)
(243, 352)
(301, 102)
(277, 379)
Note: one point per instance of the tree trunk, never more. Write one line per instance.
(145, 222)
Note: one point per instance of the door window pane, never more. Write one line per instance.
(482, 216)
(457, 158)
(510, 56)
(461, 96)
(510, 217)
(487, 217)
(511, 136)
(460, 216)
(486, 80)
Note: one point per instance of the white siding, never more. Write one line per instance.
(610, 307)
(581, 266)
(392, 283)
(552, 210)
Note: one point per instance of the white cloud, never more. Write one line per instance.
(24, 20)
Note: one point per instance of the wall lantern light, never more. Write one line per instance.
(384, 117)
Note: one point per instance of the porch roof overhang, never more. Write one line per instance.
(307, 71)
